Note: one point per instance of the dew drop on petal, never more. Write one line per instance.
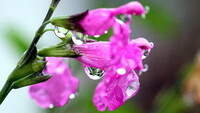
(121, 71)
(60, 32)
(72, 96)
(51, 106)
(94, 73)
(131, 89)
(145, 54)
(96, 36)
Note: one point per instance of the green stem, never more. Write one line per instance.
(47, 30)
(39, 32)
(8, 85)
(5, 90)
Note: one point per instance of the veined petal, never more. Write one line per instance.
(55, 91)
(115, 89)
(94, 54)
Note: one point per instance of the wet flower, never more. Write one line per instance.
(116, 60)
(97, 22)
(57, 90)
(115, 89)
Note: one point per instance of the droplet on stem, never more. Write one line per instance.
(94, 73)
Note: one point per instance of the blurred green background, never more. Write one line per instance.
(172, 83)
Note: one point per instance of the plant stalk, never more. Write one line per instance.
(8, 85)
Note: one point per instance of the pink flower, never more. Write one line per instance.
(115, 89)
(58, 89)
(124, 53)
(98, 21)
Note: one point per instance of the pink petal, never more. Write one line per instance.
(55, 91)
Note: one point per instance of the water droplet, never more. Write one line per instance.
(152, 44)
(123, 18)
(143, 16)
(131, 89)
(78, 38)
(72, 96)
(51, 106)
(96, 36)
(94, 73)
(60, 32)
(147, 9)
(106, 32)
(145, 54)
(121, 71)
(146, 67)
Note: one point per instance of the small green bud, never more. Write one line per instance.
(70, 22)
(30, 80)
(61, 50)
(38, 65)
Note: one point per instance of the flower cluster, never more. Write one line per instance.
(116, 60)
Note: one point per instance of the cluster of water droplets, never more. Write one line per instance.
(94, 73)
(71, 96)
(77, 37)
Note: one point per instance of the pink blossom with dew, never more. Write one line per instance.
(58, 89)
(98, 21)
(94, 54)
(115, 89)
(124, 53)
